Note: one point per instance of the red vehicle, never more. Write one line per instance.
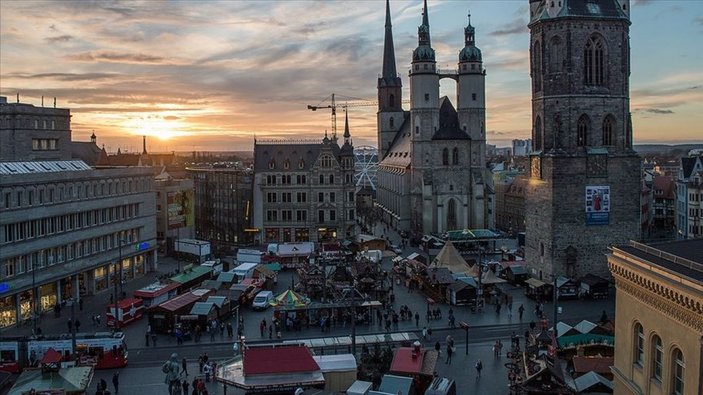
(128, 310)
(102, 350)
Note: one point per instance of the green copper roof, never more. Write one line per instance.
(470, 54)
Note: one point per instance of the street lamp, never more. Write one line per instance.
(479, 291)
(117, 279)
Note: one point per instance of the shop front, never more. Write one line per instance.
(302, 234)
(8, 311)
(127, 269)
(26, 304)
(139, 265)
(326, 234)
(47, 296)
(287, 235)
(271, 235)
(101, 278)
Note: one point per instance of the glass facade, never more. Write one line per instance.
(47, 296)
(8, 311)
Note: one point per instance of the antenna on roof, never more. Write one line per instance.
(42, 100)
(54, 101)
(18, 97)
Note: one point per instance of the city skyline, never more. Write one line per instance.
(185, 72)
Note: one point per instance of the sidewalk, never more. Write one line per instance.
(92, 305)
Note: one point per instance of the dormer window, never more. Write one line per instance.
(286, 164)
(301, 163)
(272, 164)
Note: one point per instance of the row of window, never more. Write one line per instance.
(57, 193)
(302, 215)
(26, 123)
(65, 223)
(50, 256)
(286, 179)
(583, 131)
(455, 156)
(655, 369)
(45, 144)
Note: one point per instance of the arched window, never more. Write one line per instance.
(445, 157)
(657, 358)
(608, 126)
(391, 122)
(594, 61)
(537, 138)
(639, 345)
(556, 59)
(537, 66)
(677, 372)
(451, 215)
(582, 127)
(455, 156)
(391, 100)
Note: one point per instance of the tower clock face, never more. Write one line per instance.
(536, 167)
(597, 165)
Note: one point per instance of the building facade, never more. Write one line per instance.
(584, 189)
(223, 206)
(689, 198)
(664, 205)
(658, 318)
(64, 226)
(432, 175)
(175, 211)
(304, 190)
(522, 147)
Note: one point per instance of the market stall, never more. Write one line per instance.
(157, 293)
(567, 288)
(592, 286)
(339, 371)
(417, 363)
(191, 277)
(52, 379)
(164, 317)
(538, 290)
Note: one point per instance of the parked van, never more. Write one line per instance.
(441, 386)
(216, 266)
(262, 300)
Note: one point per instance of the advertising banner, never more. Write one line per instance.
(597, 205)
(180, 209)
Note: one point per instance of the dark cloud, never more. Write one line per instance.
(117, 57)
(516, 26)
(657, 111)
(65, 76)
(59, 39)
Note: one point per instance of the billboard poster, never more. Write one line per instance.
(597, 205)
(180, 209)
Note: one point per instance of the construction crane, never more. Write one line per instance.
(331, 99)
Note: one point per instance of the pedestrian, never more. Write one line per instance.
(510, 310)
(146, 337)
(207, 370)
(417, 319)
(450, 350)
(211, 329)
(77, 325)
(270, 331)
(185, 386)
(70, 325)
(222, 330)
(479, 367)
(495, 348)
(527, 337)
(200, 365)
(194, 384)
(230, 331)
(98, 318)
(262, 326)
(438, 348)
(80, 304)
(603, 317)
(103, 385)
(116, 382)
(521, 310)
(153, 339)
(184, 366)
(424, 333)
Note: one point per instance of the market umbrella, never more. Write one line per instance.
(290, 298)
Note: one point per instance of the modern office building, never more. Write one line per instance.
(175, 211)
(223, 206)
(658, 318)
(65, 225)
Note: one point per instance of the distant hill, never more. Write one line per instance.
(665, 149)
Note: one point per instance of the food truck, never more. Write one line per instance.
(128, 311)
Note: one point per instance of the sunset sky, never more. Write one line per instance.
(211, 75)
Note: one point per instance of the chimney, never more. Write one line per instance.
(143, 145)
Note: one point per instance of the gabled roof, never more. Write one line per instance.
(590, 380)
(599, 365)
(664, 187)
(449, 128)
(687, 166)
(87, 151)
(400, 153)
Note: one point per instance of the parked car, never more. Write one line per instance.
(396, 249)
(262, 300)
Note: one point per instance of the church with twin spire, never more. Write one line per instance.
(432, 175)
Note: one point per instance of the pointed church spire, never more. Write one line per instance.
(346, 127)
(389, 70)
(423, 31)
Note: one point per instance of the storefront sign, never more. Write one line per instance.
(4, 287)
(142, 246)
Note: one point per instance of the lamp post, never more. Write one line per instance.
(118, 279)
(479, 291)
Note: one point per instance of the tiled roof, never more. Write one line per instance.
(448, 123)
(289, 155)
